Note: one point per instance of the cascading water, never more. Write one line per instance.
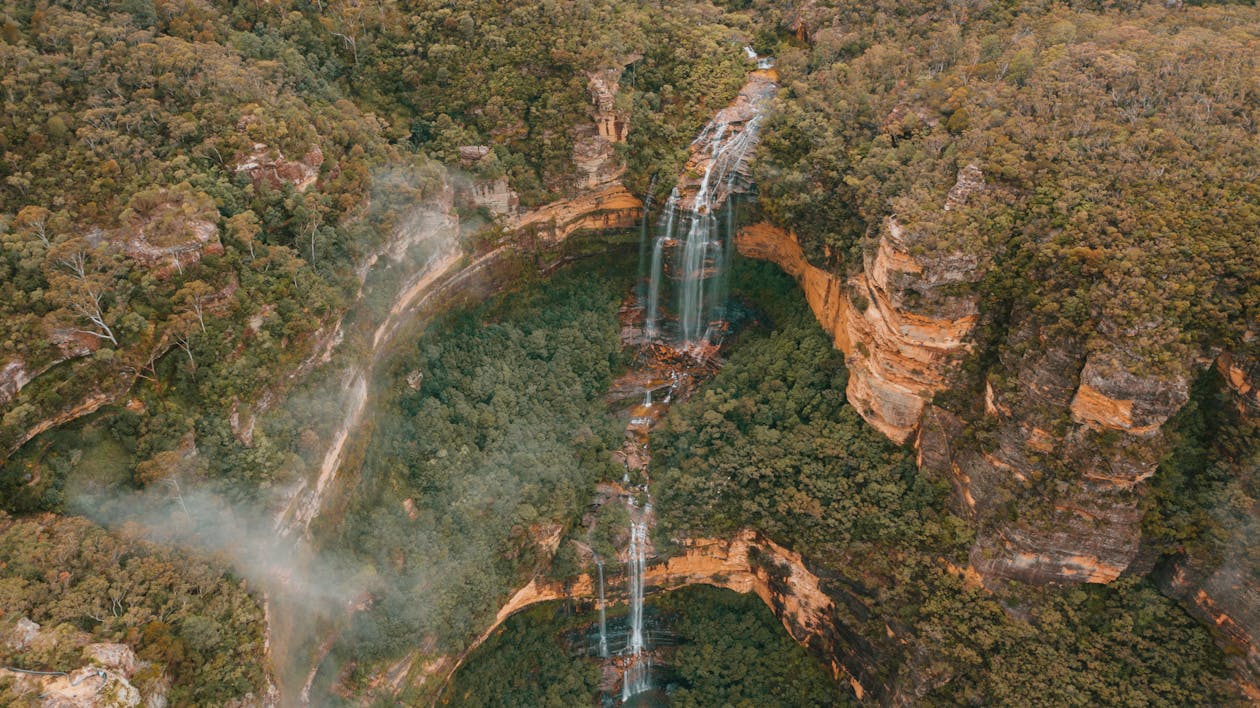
(603, 618)
(689, 227)
(645, 234)
(656, 270)
(637, 677)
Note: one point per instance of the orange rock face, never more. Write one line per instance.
(612, 208)
(741, 564)
(897, 359)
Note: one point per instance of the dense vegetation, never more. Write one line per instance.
(1201, 498)
(196, 624)
(495, 450)
(733, 652)
(726, 649)
(123, 134)
(529, 660)
(129, 128)
(1118, 140)
(770, 444)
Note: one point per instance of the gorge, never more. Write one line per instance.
(578, 352)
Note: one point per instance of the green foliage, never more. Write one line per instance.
(734, 652)
(501, 443)
(513, 75)
(1120, 644)
(146, 124)
(526, 662)
(770, 442)
(187, 615)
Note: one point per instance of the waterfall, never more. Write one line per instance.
(656, 269)
(637, 677)
(603, 618)
(645, 238)
(701, 262)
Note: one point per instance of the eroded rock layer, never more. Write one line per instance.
(898, 357)
(748, 562)
(1056, 480)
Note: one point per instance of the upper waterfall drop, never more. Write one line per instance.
(692, 238)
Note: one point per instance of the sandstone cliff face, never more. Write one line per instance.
(901, 331)
(1054, 481)
(611, 208)
(1065, 440)
(748, 562)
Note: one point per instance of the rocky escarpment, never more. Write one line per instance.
(1083, 428)
(748, 562)
(598, 198)
(1052, 467)
(103, 680)
(896, 319)
(1224, 592)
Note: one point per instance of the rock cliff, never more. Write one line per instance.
(903, 350)
(1051, 468)
(747, 562)
(901, 333)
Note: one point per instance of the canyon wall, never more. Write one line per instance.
(1051, 468)
(901, 329)
(1091, 430)
(747, 562)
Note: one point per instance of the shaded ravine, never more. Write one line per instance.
(746, 562)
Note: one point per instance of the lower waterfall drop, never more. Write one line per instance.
(637, 677)
(603, 617)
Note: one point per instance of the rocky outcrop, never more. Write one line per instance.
(594, 156)
(1242, 375)
(168, 231)
(264, 164)
(13, 376)
(899, 354)
(613, 208)
(1111, 398)
(906, 334)
(495, 196)
(103, 681)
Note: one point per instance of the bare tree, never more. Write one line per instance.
(87, 295)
